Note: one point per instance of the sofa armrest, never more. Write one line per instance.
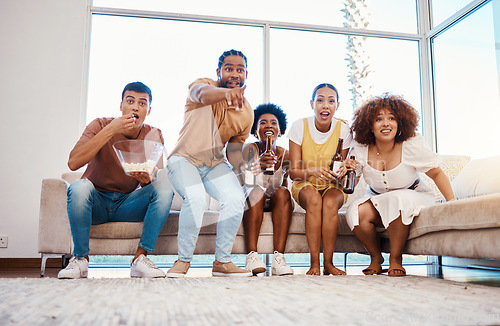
(54, 234)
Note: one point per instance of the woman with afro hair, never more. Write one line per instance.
(390, 154)
(269, 193)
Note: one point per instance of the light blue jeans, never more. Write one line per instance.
(88, 206)
(220, 183)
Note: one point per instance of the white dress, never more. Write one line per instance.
(389, 190)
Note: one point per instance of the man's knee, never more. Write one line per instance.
(233, 198)
(163, 189)
(80, 189)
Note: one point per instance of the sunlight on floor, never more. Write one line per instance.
(486, 277)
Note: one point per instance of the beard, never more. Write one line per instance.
(224, 83)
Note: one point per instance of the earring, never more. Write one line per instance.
(399, 133)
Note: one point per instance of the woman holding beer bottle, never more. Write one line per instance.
(317, 145)
(266, 188)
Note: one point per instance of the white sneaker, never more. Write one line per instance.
(279, 266)
(254, 264)
(78, 267)
(143, 267)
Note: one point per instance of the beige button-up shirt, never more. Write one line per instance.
(207, 129)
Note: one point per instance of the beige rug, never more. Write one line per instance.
(289, 300)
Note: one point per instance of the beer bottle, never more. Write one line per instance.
(249, 176)
(269, 149)
(337, 157)
(349, 180)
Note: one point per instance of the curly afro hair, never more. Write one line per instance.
(271, 108)
(406, 116)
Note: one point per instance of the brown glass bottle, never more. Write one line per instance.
(269, 149)
(249, 176)
(337, 157)
(349, 180)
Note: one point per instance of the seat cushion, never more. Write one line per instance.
(466, 214)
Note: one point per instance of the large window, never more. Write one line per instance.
(467, 61)
(284, 63)
(386, 15)
(443, 9)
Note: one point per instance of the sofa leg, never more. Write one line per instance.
(345, 260)
(435, 268)
(268, 265)
(64, 260)
(42, 267)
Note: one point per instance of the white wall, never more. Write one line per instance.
(42, 53)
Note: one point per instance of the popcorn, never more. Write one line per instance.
(147, 167)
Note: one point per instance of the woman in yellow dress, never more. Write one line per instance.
(315, 187)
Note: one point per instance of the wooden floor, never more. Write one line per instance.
(466, 275)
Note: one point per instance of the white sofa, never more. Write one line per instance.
(468, 227)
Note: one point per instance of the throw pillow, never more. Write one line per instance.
(479, 177)
(451, 165)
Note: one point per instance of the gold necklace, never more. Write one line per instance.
(379, 158)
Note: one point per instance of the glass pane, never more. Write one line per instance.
(442, 9)
(309, 59)
(467, 84)
(156, 52)
(388, 15)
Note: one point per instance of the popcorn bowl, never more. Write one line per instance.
(138, 155)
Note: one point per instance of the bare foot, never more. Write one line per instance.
(330, 269)
(314, 270)
(374, 268)
(396, 269)
(380, 259)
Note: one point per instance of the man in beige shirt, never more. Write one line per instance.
(216, 114)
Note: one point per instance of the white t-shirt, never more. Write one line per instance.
(296, 132)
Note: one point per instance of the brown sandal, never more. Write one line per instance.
(371, 271)
(392, 271)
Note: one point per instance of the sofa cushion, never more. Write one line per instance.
(133, 230)
(298, 224)
(116, 230)
(479, 177)
(467, 214)
(451, 165)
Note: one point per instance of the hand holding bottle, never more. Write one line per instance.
(267, 162)
(324, 174)
(349, 180)
(349, 164)
(268, 159)
(337, 159)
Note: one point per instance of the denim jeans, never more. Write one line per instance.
(220, 183)
(88, 206)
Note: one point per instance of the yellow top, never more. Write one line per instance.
(317, 155)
